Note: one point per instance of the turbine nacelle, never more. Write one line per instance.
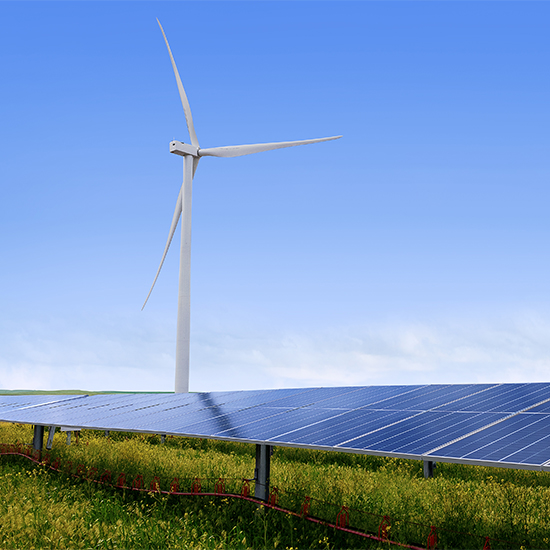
(182, 149)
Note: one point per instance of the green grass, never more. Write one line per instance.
(511, 505)
(39, 509)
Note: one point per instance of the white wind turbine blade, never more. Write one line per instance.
(175, 219)
(240, 150)
(183, 95)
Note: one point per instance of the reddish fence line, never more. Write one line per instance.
(196, 491)
(138, 484)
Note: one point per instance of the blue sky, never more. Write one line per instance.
(413, 250)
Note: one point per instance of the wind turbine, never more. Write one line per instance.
(191, 155)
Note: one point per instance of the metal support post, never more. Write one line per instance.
(261, 472)
(428, 468)
(38, 439)
(163, 439)
(51, 433)
(107, 433)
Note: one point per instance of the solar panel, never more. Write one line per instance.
(424, 398)
(339, 430)
(503, 398)
(522, 439)
(493, 424)
(542, 408)
(14, 402)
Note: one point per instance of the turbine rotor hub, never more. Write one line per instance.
(183, 149)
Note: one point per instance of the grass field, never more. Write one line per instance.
(44, 509)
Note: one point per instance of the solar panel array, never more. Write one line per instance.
(489, 424)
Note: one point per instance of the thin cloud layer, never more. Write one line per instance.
(125, 355)
(513, 351)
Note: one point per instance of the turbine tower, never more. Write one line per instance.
(191, 155)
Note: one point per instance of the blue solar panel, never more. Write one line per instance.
(14, 402)
(388, 438)
(424, 398)
(472, 423)
(277, 425)
(341, 429)
(373, 396)
(503, 398)
(447, 429)
(316, 397)
(542, 408)
(520, 439)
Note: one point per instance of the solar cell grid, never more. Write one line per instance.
(138, 418)
(479, 393)
(257, 398)
(332, 434)
(493, 435)
(453, 426)
(385, 438)
(200, 410)
(138, 409)
(216, 419)
(317, 396)
(504, 398)
(279, 424)
(418, 437)
(33, 409)
(526, 397)
(196, 411)
(534, 453)
(83, 411)
(538, 458)
(363, 397)
(543, 408)
(11, 402)
(519, 446)
(233, 422)
(389, 400)
(456, 397)
(416, 399)
(482, 401)
(443, 395)
(337, 424)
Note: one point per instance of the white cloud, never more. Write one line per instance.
(108, 354)
(133, 354)
(517, 349)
